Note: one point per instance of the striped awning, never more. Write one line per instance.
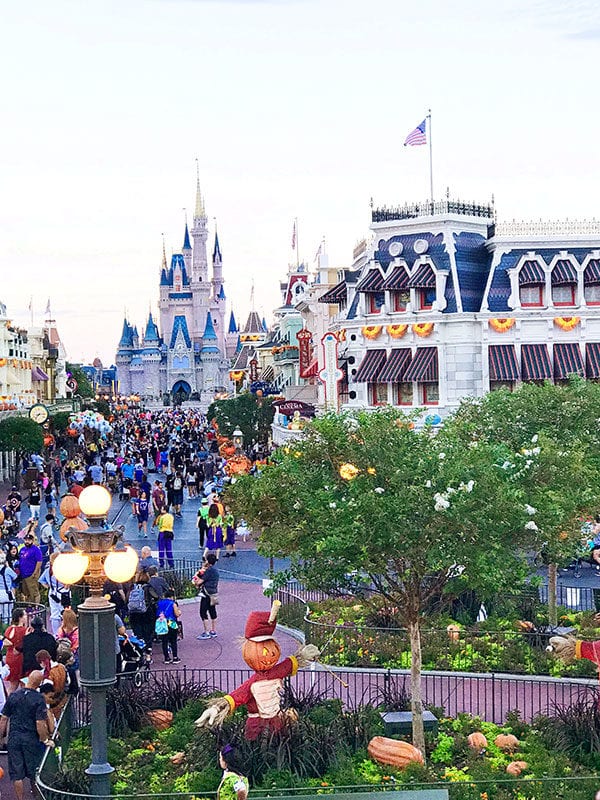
(567, 361)
(592, 271)
(338, 294)
(38, 374)
(396, 280)
(592, 360)
(372, 282)
(531, 273)
(396, 365)
(371, 367)
(503, 362)
(535, 363)
(423, 278)
(268, 373)
(424, 366)
(563, 273)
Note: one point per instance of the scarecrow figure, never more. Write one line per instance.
(568, 649)
(261, 692)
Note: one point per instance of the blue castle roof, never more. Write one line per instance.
(186, 239)
(209, 337)
(232, 324)
(221, 295)
(217, 249)
(126, 339)
(151, 336)
(180, 324)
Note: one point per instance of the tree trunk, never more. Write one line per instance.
(552, 585)
(416, 699)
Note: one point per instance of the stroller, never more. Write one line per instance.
(135, 660)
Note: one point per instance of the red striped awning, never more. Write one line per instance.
(371, 367)
(338, 294)
(592, 360)
(423, 278)
(591, 273)
(396, 365)
(424, 366)
(396, 280)
(563, 273)
(531, 273)
(372, 282)
(503, 362)
(567, 361)
(535, 363)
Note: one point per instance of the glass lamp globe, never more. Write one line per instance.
(121, 563)
(94, 501)
(70, 566)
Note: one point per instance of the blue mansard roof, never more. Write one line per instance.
(166, 276)
(126, 339)
(180, 324)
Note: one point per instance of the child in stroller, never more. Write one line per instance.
(135, 659)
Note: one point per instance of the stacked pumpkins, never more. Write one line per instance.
(69, 508)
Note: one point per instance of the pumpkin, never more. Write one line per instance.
(477, 741)
(69, 506)
(1, 516)
(525, 626)
(506, 742)
(261, 655)
(160, 719)
(393, 752)
(177, 758)
(453, 632)
(515, 768)
(72, 522)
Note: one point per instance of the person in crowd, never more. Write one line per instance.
(56, 675)
(48, 543)
(207, 581)
(8, 583)
(229, 524)
(26, 718)
(202, 522)
(143, 599)
(35, 500)
(147, 560)
(12, 557)
(30, 568)
(234, 785)
(117, 594)
(177, 493)
(168, 612)
(69, 629)
(165, 524)
(96, 473)
(142, 515)
(59, 595)
(214, 534)
(157, 582)
(190, 479)
(14, 501)
(13, 642)
(33, 642)
(159, 500)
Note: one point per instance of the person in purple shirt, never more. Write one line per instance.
(30, 567)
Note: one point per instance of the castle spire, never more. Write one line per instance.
(217, 249)
(164, 260)
(199, 213)
(186, 238)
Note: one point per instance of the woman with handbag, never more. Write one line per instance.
(207, 580)
(166, 626)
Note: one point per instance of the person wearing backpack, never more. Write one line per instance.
(166, 627)
(177, 493)
(142, 609)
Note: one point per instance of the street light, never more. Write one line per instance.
(95, 554)
(238, 439)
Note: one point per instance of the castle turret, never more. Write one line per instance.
(186, 250)
(124, 357)
(231, 337)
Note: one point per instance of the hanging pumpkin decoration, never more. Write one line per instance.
(48, 440)
(72, 522)
(69, 506)
(501, 324)
(371, 331)
(423, 329)
(567, 323)
(394, 752)
(396, 331)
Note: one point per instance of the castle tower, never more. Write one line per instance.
(124, 356)
(231, 337)
(199, 282)
(210, 358)
(186, 250)
(151, 360)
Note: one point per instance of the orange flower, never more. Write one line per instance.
(423, 329)
(502, 324)
(348, 472)
(566, 323)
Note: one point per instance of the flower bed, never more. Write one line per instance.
(367, 634)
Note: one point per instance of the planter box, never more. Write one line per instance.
(400, 722)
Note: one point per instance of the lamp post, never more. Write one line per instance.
(95, 554)
(238, 440)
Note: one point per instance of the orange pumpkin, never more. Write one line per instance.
(72, 522)
(1, 516)
(477, 741)
(177, 758)
(507, 742)
(515, 768)
(453, 632)
(525, 626)
(160, 719)
(1, 773)
(393, 752)
(69, 506)
(261, 656)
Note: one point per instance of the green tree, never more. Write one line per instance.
(559, 424)
(251, 414)
(60, 421)
(20, 435)
(419, 517)
(84, 387)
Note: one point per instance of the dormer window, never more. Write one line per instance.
(564, 283)
(531, 285)
(372, 287)
(423, 282)
(591, 283)
(375, 302)
(397, 284)
(426, 298)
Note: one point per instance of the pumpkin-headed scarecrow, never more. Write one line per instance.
(261, 692)
(568, 649)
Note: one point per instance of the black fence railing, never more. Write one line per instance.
(32, 609)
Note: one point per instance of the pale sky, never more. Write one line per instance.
(294, 108)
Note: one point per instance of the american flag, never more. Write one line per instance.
(294, 237)
(418, 136)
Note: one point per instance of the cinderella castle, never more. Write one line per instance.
(188, 355)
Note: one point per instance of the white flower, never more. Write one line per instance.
(530, 509)
(379, 490)
(473, 444)
(441, 456)
(296, 505)
(470, 485)
(531, 526)
(506, 465)
(332, 505)
(536, 451)
(450, 490)
(428, 484)
(535, 438)
(441, 503)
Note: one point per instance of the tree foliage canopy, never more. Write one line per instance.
(253, 415)
(84, 387)
(21, 434)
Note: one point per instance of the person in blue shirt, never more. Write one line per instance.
(168, 610)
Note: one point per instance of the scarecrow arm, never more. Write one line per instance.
(304, 655)
(216, 712)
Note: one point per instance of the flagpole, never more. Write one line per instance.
(430, 160)
(297, 246)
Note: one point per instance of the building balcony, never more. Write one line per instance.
(429, 209)
(288, 355)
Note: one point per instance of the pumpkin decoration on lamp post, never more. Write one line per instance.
(261, 693)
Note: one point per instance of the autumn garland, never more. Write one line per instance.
(567, 323)
(371, 331)
(502, 324)
(396, 331)
(423, 329)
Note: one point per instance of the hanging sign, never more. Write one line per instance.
(305, 350)
(331, 374)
